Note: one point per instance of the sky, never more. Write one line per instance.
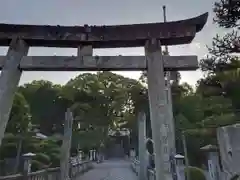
(107, 12)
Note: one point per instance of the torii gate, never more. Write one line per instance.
(85, 38)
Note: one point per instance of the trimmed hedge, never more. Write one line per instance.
(235, 177)
(195, 173)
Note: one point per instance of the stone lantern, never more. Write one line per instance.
(27, 162)
(180, 166)
(80, 155)
(91, 155)
(94, 154)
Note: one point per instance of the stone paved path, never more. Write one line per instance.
(110, 170)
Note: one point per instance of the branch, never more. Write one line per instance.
(228, 44)
(227, 13)
(215, 64)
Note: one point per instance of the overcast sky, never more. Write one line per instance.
(79, 12)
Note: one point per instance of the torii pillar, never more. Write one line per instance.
(9, 80)
(170, 75)
(158, 107)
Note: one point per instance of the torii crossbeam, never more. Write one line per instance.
(134, 35)
(104, 63)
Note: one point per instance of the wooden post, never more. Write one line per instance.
(9, 80)
(142, 146)
(157, 101)
(66, 145)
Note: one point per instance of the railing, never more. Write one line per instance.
(135, 166)
(76, 170)
(52, 173)
(150, 172)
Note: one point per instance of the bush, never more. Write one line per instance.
(36, 166)
(43, 158)
(235, 177)
(195, 173)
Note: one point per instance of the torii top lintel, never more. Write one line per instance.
(134, 35)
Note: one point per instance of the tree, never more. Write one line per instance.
(199, 116)
(227, 16)
(47, 105)
(102, 101)
(221, 67)
(47, 151)
(227, 13)
(20, 117)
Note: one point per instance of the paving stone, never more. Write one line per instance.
(110, 170)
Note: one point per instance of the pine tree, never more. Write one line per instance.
(224, 50)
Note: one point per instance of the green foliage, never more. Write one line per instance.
(19, 116)
(102, 101)
(37, 165)
(47, 105)
(227, 13)
(195, 173)
(222, 64)
(47, 151)
(216, 100)
(235, 177)
(99, 102)
(43, 158)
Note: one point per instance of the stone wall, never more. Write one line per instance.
(229, 146)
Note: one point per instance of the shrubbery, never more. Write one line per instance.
(195, 173)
